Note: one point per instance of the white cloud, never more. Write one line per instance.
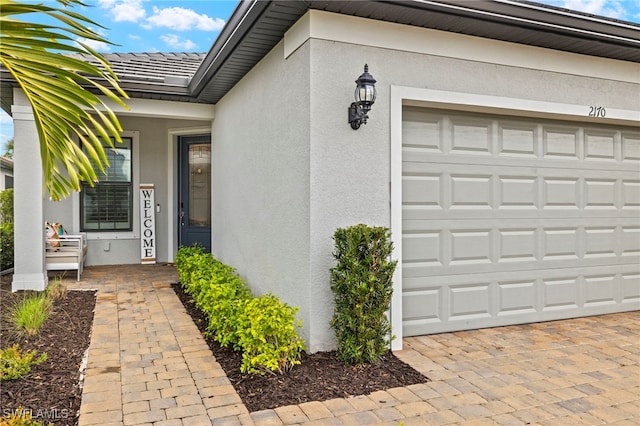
(175, 42)
(608, 8)
(181, 19)
(124, 10)
(106, 4)
(98, 46)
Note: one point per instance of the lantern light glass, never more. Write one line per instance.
(365, 96)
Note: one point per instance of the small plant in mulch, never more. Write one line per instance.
(15, 363)
(35, 390)
(57, 289)
(362, 287)
(29, 313)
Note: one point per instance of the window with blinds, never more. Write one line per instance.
(108, 206)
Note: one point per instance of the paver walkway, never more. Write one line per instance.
(149, 365)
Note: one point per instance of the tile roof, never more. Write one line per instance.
(167, 68)
(154, 75)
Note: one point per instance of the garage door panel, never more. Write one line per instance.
(507, 221)
(518, 140)
(631, 288)
(601, 145)
(630, 148)
(417, 270)
(630, 241)
(470, 136)
(435, 191)
(441, 247)
(630, 194)
(415, 155)
(600, 289)
(516, 297)
(459, 302)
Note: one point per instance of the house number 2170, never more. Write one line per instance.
(597, 111)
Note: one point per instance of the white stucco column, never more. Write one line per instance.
(29, 264)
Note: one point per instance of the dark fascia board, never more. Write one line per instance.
(594, 33)
(542, 17)
(242, 19)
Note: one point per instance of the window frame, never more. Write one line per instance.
(103, 183)
(115, 234)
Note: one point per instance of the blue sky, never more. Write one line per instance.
(192, 26)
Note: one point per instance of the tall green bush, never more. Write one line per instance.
(6, 245)
(6, 206)
(6, 229)
(362, 286)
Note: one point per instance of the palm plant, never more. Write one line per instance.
(63, 90)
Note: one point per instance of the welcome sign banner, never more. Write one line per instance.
(147, 224)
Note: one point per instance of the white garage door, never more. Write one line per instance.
(511, 220)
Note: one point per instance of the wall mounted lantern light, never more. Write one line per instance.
(365, 97)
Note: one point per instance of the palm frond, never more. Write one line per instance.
(62, 90)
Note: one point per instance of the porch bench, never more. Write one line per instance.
(67, 252)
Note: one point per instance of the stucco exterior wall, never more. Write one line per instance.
(153, 153)
(260, 193)
(350, 170)
(288, 170)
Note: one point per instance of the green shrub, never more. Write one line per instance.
(362, 286)
(6, 245)
(57, 289)
(15, 364)
(223, 304)
(268, 336)
(263, 328)
(30, 312)
(183, 263)
(6, 206)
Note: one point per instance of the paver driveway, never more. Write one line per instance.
(148, 365)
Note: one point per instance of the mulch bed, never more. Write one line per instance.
(320, 376)
(52, 389)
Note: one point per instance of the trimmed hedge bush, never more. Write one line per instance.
(6, 245)
(6, 205)
(362, 287)
(6, 229)
(263, 328)
(267, 335)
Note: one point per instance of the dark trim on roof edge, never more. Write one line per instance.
(553, 28)
(242, 19)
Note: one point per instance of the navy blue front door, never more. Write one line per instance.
(194, 199)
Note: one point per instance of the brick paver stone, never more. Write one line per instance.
(315, 410)
(291, 414)
(266, 418)
(148, 364)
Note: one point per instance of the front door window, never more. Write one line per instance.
(195, 191)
